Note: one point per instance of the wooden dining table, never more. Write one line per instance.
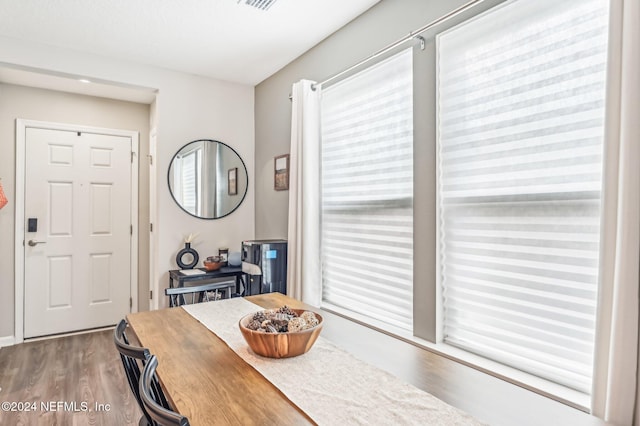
(204, 379)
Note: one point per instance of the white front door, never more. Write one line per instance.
(77, 230)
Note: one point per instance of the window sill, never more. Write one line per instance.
(528, 381)
(554, 391)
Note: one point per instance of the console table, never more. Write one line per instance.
(225, 271)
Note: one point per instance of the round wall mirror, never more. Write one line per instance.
(208, 179)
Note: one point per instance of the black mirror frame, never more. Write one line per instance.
(244, 166)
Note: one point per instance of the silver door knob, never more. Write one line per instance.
(34, 243)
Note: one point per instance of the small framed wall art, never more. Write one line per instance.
(281, 172)
(232, 181)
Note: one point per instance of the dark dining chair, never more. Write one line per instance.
(133, 358)
(159, 414)
(179, 296)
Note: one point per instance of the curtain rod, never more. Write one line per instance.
(413, 34)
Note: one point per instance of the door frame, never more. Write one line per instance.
(21, 134)
(154, 288)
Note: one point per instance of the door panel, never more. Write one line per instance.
(60, 207)
(59, 281)
(101, 208)
(78, 267)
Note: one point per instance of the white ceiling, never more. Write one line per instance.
(223, 39)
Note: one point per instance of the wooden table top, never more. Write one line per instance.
(204, 379)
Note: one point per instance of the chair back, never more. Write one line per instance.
(158, 413)
(179, 296)
(133, 358)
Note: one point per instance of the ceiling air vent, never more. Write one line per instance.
(260, 4)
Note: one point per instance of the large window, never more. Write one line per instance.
(367, 193)
(521, 95)
(518, 138)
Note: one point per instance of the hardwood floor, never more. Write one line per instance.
(84, 371)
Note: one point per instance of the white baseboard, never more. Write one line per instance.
(7, 341)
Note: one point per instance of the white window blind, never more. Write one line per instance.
(367, 193)
(189, 185)
(521, 94)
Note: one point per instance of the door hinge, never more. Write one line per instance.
(131, 229)
(150, 294)
(150, 159)
(151, 227)
(131, 302)
(132, 154)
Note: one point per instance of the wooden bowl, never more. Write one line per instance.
(280, 345)
(212, 266)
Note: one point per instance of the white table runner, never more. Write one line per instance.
(329, 384)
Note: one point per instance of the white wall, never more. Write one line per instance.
(199, 108)
(187, 108)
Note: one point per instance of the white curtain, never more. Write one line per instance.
(303, 272)
(615, 395)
